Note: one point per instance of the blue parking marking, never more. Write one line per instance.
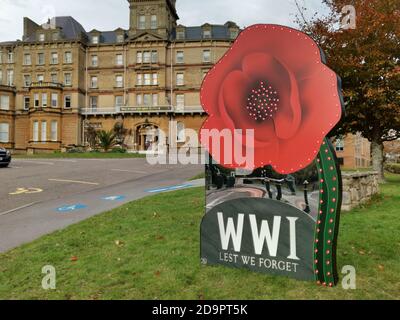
(114, 198)
(71, 208)
(182, 186)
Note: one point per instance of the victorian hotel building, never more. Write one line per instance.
(60, 79)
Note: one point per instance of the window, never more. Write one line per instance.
(10, 57)
(95, 39)
(43, 136)
(180, 79)
(54, 100)
(234, 34)
(40, 78)
(180, 35)
(54, 130)
(36, 100)
(139, 99)
(147, 57)
(119, 81)
(142, 23)
(139, 57)
(207, 34)
(155, 100)
(27, 102)
(120, 38)
(4, 132)
(27, 80)
(67, 102)
(119, 60)
(68, 57)
(119, 102)
(180, 129)
(147, 100)
(206, 56)
(27, 59)
(68, 79)
(40, 59)
(154, 57)
(10, 77)
(339, 145)
(1, 56)
(93, 82)
(155, 79)
(154, 24)
(42, 37)
(4, 102)
(54, 77)
(35, 131)
(180, 102)
(93, 102)
(54, 36)
(139, 79)
(180, 57)
(147, 79)
(1, 77)
(44, 100)
(95, 61)
(54, 58)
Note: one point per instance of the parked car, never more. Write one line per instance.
(5, 157)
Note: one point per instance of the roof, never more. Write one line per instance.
(218, 32)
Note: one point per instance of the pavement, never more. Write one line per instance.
(38, 197)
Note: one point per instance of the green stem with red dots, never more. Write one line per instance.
(327, 227)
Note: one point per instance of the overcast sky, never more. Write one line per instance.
(111, 14)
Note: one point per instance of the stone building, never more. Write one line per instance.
(60, 79)
(353, 151)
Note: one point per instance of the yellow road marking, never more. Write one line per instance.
(75, 181)
(26, 191)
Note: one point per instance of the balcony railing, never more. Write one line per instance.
(139, 110)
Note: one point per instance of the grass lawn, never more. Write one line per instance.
(85, 155)
(149, 249)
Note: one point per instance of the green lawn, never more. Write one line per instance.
(85, 155)
(149, 249)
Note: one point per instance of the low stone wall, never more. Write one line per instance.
(358, 188)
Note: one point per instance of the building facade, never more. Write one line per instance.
(61, 79)
(353, 151)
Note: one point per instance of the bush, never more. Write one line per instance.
(119, 150)
(393, 167)
(76, 150)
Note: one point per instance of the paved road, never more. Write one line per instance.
(41, 196)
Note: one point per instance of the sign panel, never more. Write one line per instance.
(273, 181)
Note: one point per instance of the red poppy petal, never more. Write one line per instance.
(321, 105)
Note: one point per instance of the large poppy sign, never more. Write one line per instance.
(274, 184)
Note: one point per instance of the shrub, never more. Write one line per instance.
(393, 167)
(119, 150)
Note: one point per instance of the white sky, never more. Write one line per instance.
(111, 14)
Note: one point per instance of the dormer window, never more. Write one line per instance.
(142, 23)
(42, 37)
(234, 34)
(120, 38)
(95, 39)
(180, 35)
(154, 24)
(206, 34)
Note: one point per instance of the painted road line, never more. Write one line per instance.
(131, 171)
(16, 209)
(71, 208)
(172, 188)
(26, 190)
(34, 161)
(114, 198)
(75, 181)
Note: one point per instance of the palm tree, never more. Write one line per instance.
(107, 139)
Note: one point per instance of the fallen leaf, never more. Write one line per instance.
(157, 273)
(361, 252)
(119, 243)
(74, 258)
(381, 267)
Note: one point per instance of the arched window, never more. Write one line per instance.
(180, 129)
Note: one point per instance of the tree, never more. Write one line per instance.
(107, 139)
(367, 59)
